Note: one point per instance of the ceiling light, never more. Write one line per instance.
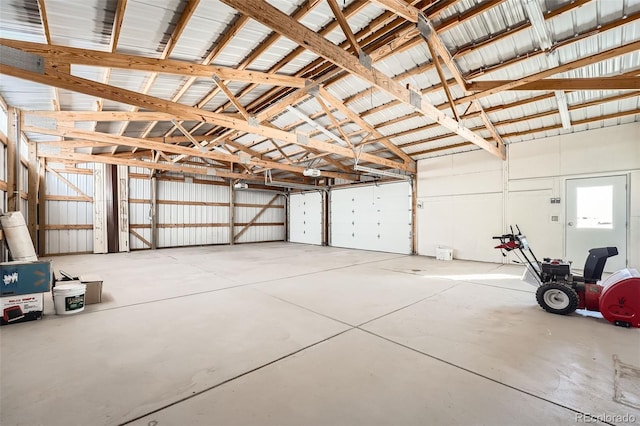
(292, 185)
(563, 109)
(379, 172)
(536, 17)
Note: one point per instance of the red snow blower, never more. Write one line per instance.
(561, 292)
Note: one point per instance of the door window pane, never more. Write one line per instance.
(595, 207)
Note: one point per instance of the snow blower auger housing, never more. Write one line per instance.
(561, 292)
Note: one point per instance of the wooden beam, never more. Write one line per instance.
(32, 188)
(282, 23)
(344, 24)
(42, 208)
(77, 198)
(578, 63)
(335, 122)
(600, 83)
(340, 106)
(489, 125)
(443, 79)
(217, 80)
(108, 159)
(140, 237)
(72, 116)
(71, 55)
(286, 157)
(68, 227)
(117, 25)
(45, 21)
(12, 143)
(400, 8)
(177, 149)
(185, 112)
(69, 184)
(255, 218)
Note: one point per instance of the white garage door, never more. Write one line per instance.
(373, 217)
(305, 218)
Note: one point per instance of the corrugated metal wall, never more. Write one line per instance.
(139, 209)
(69, 222)
(195, 211)
(192, 212)
(270, 226)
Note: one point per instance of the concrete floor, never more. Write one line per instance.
(288, 334)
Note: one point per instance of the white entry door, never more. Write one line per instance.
(596, 216)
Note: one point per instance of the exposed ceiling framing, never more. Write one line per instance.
(239, 88)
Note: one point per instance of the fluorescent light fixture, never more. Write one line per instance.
(241, 185)
(561, 98)
(291, 185)
(563, 109)
(379, 172)
(315, 125)
(536, 17)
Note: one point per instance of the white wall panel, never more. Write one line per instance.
(69, 213)
(450, 185)
(450, 175)
(306, 218)
(533, 212)
(455, 222)
(372, 217)
(633, 250)
(274, 215)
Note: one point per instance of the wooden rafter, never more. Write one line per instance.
(174, 149)
(285, 25)
(578, 63)
(117, 25)
(329, 114)
(231, 96)
(186, 15)
(346, 29)
(600, 83)
(537, 130)
(70, 55)
(400, 8)
(335, 102)
(443, 80)
(184, 112)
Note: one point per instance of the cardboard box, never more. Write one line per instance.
(21, 308)
(94, 288)
(22, 277)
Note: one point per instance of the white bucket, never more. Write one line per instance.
(69, 298)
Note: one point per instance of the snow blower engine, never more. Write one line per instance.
(561, 292)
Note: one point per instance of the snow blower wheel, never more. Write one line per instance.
(557, 298)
